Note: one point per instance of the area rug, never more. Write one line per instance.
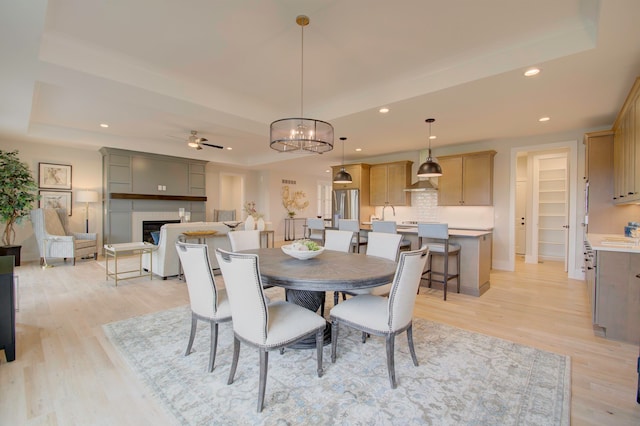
(464, 378)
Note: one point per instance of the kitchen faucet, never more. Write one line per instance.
(393, 209)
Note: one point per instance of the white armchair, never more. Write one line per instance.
(54, 239)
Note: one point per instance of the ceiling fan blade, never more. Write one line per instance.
(211, 145)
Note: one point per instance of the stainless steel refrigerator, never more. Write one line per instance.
(345, 204)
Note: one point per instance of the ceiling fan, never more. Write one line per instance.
(194, 141)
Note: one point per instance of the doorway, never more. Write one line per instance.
(548, 190)
(232, 194)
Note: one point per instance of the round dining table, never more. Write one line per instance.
(306, 281)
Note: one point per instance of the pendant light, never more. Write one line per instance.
(342, 176)
(307, 134)
(430, 168)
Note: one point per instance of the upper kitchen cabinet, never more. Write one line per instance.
(359, 173)
(388, 183)
(626, 149)
(467, 179)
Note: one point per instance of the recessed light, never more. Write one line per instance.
(544, 119)
(327, 171)
(531, 72)
(432, 137)
(358, 149)
(229, 148)
(105, 125)
(383, 110)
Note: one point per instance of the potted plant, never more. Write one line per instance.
(17, 195)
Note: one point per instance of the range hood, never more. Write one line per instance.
(421, 185)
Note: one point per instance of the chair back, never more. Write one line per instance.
(387, 226)
(201, 284)
(246, 296)
(244, 240)
(352, 225)
(316, 228)
(434, 230)
(224, 215)
(338, 240)
(404, 287)
(385, 245)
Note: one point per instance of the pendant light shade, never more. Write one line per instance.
(342, 176)
(429, 168)
(307, 134)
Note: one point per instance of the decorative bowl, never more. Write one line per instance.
(300, 254)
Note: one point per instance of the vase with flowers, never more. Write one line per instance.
(253, 217)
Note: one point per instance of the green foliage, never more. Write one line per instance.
(17, 193)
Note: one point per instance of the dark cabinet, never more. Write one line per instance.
(7, 308)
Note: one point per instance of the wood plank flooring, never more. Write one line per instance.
(67, 373)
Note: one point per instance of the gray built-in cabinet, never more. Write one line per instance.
(143, 182)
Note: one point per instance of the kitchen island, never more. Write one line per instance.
(475, 257)
(612, 264)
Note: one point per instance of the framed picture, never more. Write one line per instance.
(55, 200)
(54, 176)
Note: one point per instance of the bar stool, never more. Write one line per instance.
(353, 225)
(315, 229)
(440, 233)
(389, 227)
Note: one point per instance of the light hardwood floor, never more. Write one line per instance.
(67, 372)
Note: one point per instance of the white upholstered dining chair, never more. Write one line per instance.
(207, 302)
(383, 316)
(337, 240)
(261, 325)
(244, 240)
(381, 244)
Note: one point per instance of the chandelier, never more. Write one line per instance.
(307, 134)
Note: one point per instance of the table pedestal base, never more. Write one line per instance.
(311, 300)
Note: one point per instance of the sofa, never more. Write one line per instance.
(165, 258)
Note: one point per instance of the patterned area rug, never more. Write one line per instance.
(464, 378)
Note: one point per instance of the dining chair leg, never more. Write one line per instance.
(390, 343)
(324, 298)
(214, 345)
(334, 339)
(192, 335)
(336, 295)
(234, 361)
(264, 365)
(319, 346)
(364, 337)
(410, 342)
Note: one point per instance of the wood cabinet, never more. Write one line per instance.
(617, 295)
(603, 217)
(388, 183)
(467, 179)
(360, 180)
(626, 149)
(359, 174)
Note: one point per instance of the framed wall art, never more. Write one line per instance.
(54, 176)
(55, 200)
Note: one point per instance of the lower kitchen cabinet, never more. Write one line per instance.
(616, 296)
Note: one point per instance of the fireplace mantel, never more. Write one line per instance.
(128, 196)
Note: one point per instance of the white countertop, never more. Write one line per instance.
(613, 242)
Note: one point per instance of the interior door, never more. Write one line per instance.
(521, 218)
